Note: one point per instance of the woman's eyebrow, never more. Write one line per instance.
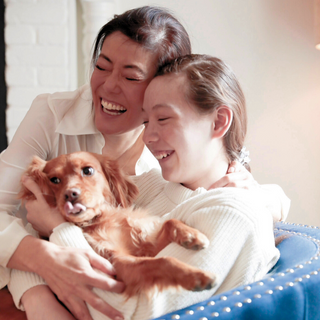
(129, 66)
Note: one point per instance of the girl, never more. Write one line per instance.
(195, 125)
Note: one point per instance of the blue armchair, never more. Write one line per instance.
(291, 290)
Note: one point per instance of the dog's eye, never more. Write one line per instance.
(55, 180)
(88, 171)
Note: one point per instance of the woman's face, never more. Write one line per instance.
(177, 135)
(118, 82)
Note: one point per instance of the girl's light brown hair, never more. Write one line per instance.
(212, 84)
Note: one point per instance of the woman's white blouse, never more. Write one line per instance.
(56, 124)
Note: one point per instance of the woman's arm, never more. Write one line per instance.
(32, 138)
(36, 136)
(237, 254)
(68, 272)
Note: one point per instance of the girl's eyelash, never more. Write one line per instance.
(132, 79)
(162, 119)
(99, 68)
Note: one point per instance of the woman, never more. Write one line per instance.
(195, 119)
(105, 118)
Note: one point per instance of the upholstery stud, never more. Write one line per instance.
(215, 314)
(190, 312)
(280, 288)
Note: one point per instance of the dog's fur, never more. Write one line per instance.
(92, 192)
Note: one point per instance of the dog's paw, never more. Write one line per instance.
(194, 240)
(200, 280)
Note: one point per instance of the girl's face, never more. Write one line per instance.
(118, 82)
(177, 135)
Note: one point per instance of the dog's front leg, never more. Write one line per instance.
(174, 230)
(142, 274)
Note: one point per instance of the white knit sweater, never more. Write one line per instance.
(237, 222)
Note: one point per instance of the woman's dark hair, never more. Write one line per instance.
(154, 28)
(211, 84)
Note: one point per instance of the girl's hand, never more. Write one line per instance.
(40, 303)
(237, 176)
(70, 275)
(42, 217)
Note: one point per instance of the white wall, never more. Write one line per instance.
(40, 53)
(270, 45)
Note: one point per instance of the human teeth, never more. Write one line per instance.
(109, 106)
(162, 155)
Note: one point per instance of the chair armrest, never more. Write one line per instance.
(291, 290)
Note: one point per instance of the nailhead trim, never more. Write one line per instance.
(288, 284)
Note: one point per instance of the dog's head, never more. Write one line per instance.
(81, 185)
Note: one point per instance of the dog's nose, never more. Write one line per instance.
(72, 194)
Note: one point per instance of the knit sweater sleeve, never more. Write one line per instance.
(276, 201)
(21, 281)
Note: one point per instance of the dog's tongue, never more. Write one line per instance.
(69, 208)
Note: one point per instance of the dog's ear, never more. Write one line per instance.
(124, 190)
(35, 172)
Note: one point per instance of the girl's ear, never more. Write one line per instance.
(222, 121)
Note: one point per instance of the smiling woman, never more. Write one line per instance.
(105, 119)
(122, 73)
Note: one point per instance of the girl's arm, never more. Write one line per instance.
(241, 249)
(274, 197)
(48, 307)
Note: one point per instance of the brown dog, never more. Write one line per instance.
(91, 191)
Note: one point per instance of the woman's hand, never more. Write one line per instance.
(237, 176)
(42, 217)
